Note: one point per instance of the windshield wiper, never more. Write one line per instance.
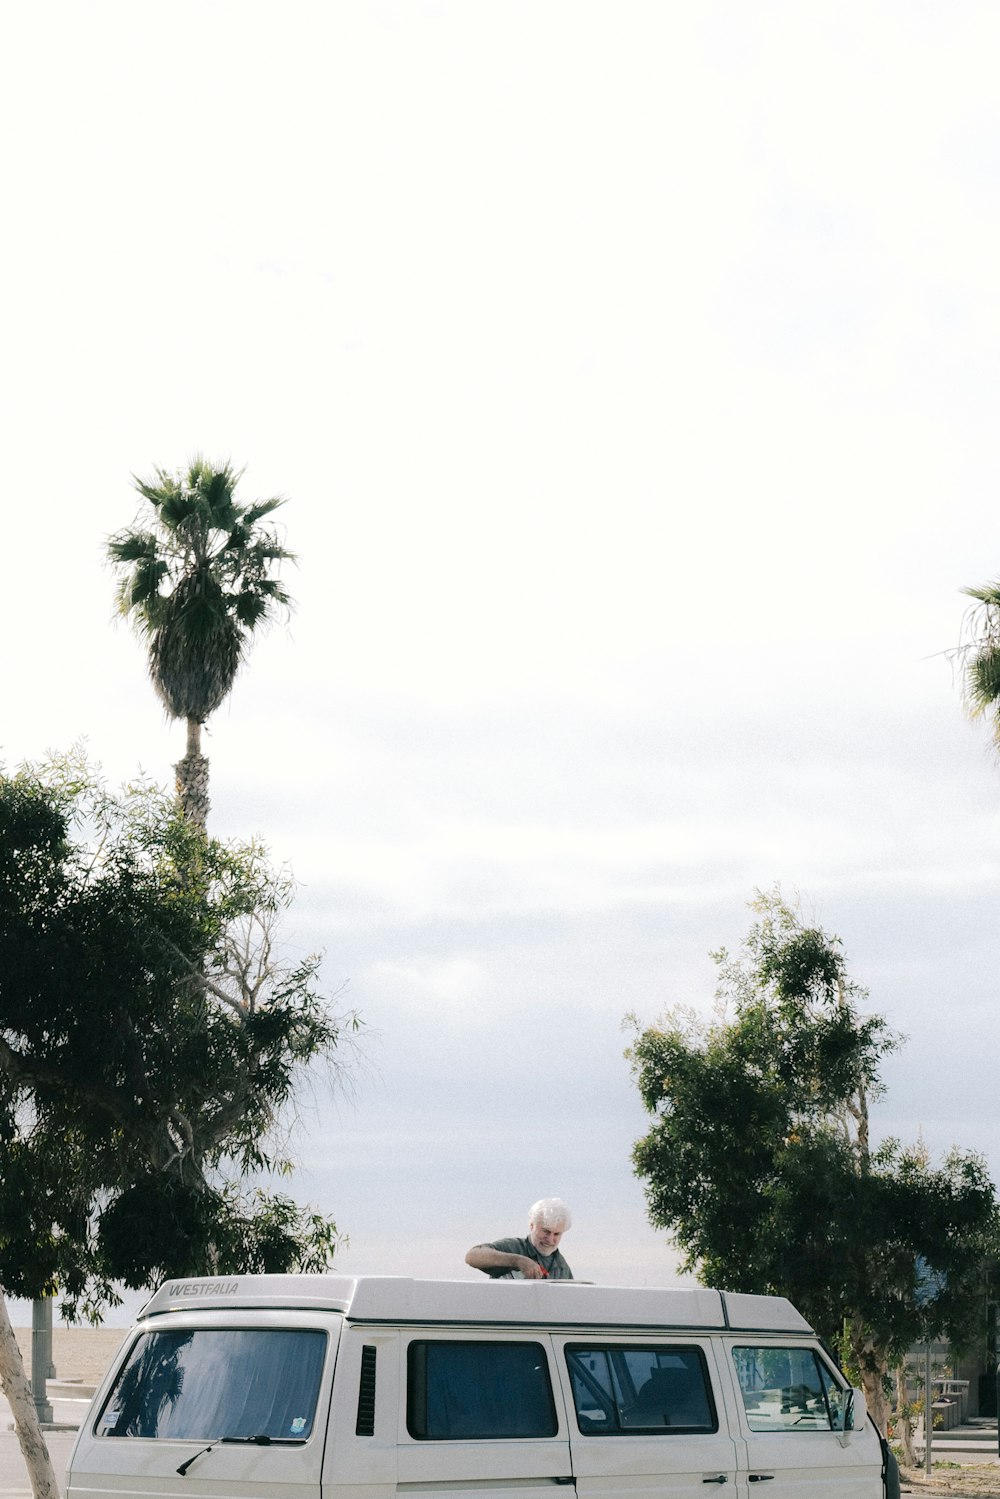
(261, 1440)
(265, 1441)
(200, 1453)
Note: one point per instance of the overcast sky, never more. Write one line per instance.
(631, 371)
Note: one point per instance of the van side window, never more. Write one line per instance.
(788, 1389)
(622, 1390)
(459, 1390)
(209, 1383)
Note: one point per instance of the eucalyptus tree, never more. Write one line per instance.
(197, 578)
(152, 1045)
(759, 1162)
(151, 1042)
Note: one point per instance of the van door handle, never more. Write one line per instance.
(719, 1478)
(564, 1480)
(760, 1477)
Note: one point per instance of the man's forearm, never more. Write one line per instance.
(483, 1257)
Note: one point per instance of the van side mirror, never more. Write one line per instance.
(855, 1414)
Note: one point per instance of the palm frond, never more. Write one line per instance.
(179, 509)
(123, 600)
(271, 589)
(988, 593)
(982, 681)
(250, 608)
(272, 551)
(147, 576)
(253, 513)
(132, 546)
(166, 485)
(216, 489)
(238, 539)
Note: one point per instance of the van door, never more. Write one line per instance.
(480, 1417)
(790, 1412)
(646, 1418)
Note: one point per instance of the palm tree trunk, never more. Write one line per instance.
(192, 778)
(18, 1393)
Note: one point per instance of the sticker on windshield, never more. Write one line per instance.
(110, 1418)
(298, 1426)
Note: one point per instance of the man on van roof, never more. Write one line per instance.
(535, 1258)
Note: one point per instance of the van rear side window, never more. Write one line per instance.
(208, 1384)
(460, 1390)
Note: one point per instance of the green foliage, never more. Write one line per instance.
(150, 1044)
(198, 583)
(758, 1162)
(161, 1222)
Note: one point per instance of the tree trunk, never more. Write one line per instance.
(873, 1367)
(192, 778)
(878, 1410)
(18, 1393)
(904, 1420)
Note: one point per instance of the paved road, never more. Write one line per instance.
(14, 1482)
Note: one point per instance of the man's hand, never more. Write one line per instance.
(485, 1257)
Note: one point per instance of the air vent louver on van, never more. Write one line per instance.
(366, 1393)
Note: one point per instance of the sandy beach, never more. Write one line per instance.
(80, 1354)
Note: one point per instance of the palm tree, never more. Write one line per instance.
(981, 651)
(196, 584)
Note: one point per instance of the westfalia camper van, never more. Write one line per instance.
(334, 1387)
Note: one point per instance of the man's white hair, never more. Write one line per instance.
(549, 1212)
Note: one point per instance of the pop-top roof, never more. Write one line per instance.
(400, 1300)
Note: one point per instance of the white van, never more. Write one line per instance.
(334, 1387)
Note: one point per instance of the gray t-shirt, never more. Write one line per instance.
(553, 1264)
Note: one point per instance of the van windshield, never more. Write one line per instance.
(211, 1383)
